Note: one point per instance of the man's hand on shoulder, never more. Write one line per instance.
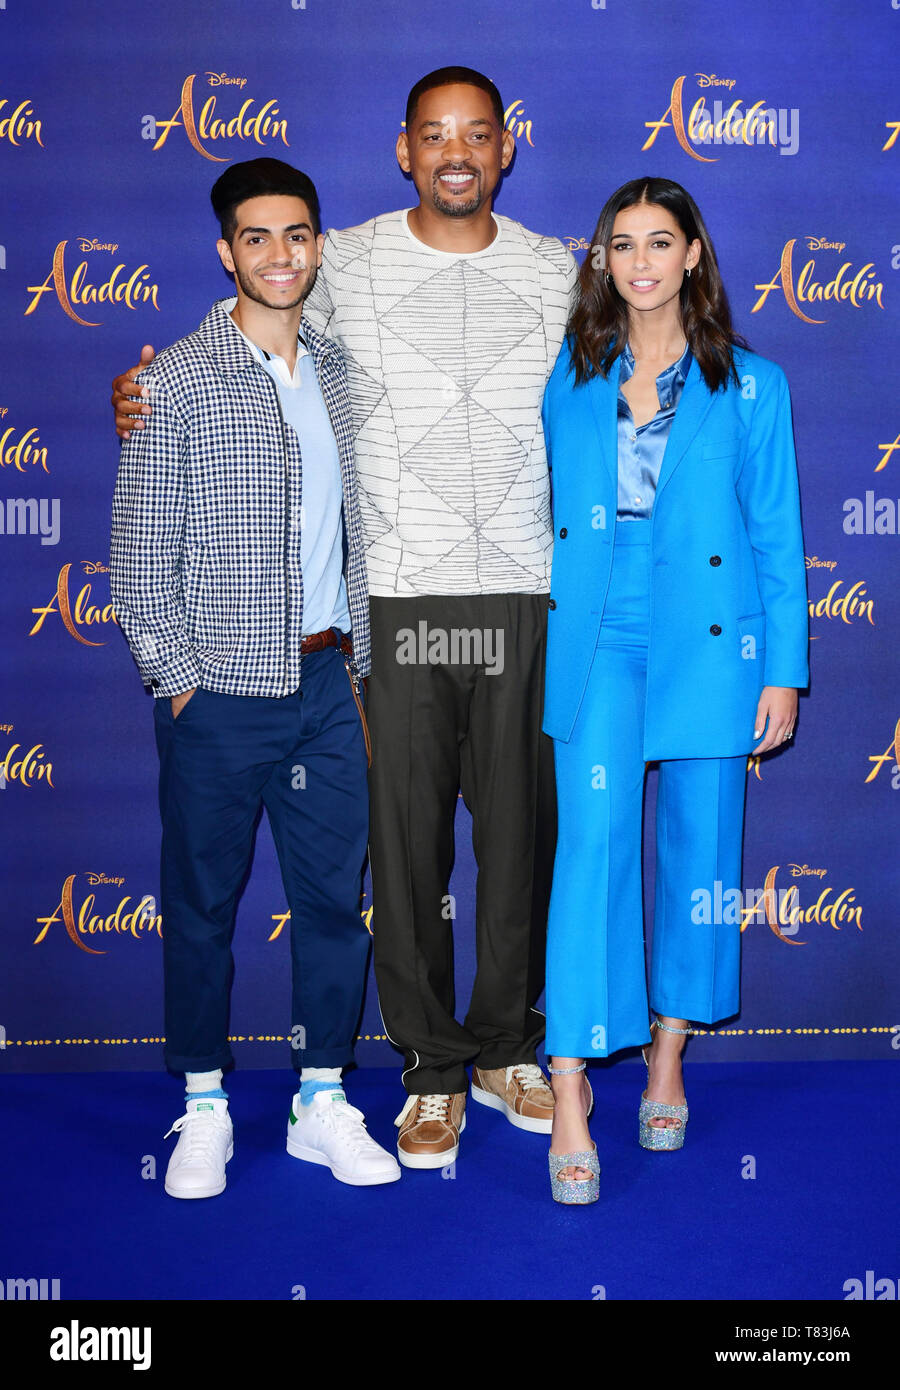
(125, 395)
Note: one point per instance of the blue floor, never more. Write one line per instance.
(821, 1209)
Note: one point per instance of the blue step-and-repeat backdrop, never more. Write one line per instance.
(784, 124)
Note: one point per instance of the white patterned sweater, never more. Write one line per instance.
(447, 358)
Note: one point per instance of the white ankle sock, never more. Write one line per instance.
(321, 1074)
(203, 1083)
(315, 1079)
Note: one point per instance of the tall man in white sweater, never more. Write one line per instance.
(450, 318)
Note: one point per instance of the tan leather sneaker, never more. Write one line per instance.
(430, 1127)
(523, 1092)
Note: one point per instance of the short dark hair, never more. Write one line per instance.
(454, 76)
(257, 178)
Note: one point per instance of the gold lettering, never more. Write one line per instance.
(18, 124)
(279, 918)
(17, 455)
(84, 612)
(68, 917)
(850, 605)
(888, 450)
(210, 126)
(27, 769)
(890, 755)
(784, 280)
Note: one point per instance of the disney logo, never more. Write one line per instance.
(712, 81)
(221, 79)
(818, 243)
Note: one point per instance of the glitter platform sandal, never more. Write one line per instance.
(573, 1191)
(652, 1136)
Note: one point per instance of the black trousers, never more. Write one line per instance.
(455, 702)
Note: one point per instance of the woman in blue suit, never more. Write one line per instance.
(677, 634)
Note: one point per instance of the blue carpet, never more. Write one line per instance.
(822, 1208)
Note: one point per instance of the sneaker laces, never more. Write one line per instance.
(433, 1108)
(203, 1133)
(350, 1124)
(530, 1077)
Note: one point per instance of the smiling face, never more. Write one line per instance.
(455, 150)
(648, 255)
(274, 253)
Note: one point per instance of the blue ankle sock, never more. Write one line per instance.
(309, 1088)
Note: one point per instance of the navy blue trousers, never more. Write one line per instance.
(303, 758)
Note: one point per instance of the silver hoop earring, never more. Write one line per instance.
(688, 272)
(608, 278)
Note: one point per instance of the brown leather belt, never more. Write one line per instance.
(318, 641)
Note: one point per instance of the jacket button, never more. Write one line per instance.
(715, 559)
(154, 683)
(563, 533)
(715, 629)
(552, 603)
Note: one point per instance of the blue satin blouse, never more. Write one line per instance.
(641, 448)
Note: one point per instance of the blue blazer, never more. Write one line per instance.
(728, 602)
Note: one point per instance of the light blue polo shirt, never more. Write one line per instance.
(322, 530)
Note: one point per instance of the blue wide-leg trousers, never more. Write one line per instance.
(596, 970)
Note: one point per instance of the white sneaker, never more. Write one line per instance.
(197, 1166)
(330, 1131)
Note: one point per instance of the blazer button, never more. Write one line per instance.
(715, 629)
(552, 603)
(715, 559)
(563, 533)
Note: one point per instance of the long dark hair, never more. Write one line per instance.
(599, 322)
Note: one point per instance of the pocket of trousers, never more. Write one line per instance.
(176, 718)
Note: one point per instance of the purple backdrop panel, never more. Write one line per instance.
(787, 136)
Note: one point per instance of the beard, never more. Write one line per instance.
(453, 207)
(252, 291)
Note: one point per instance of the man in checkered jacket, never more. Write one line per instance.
(238, 576)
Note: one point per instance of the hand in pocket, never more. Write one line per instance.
(179, 702)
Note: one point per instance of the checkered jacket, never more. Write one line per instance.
(205, 555)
